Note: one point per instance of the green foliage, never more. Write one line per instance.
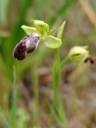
(56, 65)
(8, 46)
(14, 103)
(56, 75)
(3, 12)
(62, 11)
(59, 113)
(56, 81)
(22, 119)
(6, 125)
(39, 9)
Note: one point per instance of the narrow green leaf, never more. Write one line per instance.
(28, 30)
(56, 75)
(13, 110)
(52, 42)
(60, 30)
(53, 111)
(6, 125)
(55, 115)
(61, 110)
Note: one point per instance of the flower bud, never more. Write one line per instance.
(27, 44)
(78, 54)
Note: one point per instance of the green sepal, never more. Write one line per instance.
(28, 30)
(52, 42)
(42, 28)
(41, 24)
(60, 30)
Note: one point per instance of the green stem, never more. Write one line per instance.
(56, 75)
(64, 61)
(56, 81)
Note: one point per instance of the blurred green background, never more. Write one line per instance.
(77, 85)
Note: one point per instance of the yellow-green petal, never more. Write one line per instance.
(52, 42)
(28, 30)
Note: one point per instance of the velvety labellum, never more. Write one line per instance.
(27, 44)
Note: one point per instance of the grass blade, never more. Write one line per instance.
(14, 104)
(6, 125)
(61, 111)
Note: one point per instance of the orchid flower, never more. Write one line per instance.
(39, 32)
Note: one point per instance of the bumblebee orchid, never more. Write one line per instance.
(40, 32)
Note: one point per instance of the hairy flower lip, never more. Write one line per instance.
(27, 45)
(19, 51)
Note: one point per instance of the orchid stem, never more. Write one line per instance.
(64, 61)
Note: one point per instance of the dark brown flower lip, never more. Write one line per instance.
(27, 44)
(90, 58)
(20, 51)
